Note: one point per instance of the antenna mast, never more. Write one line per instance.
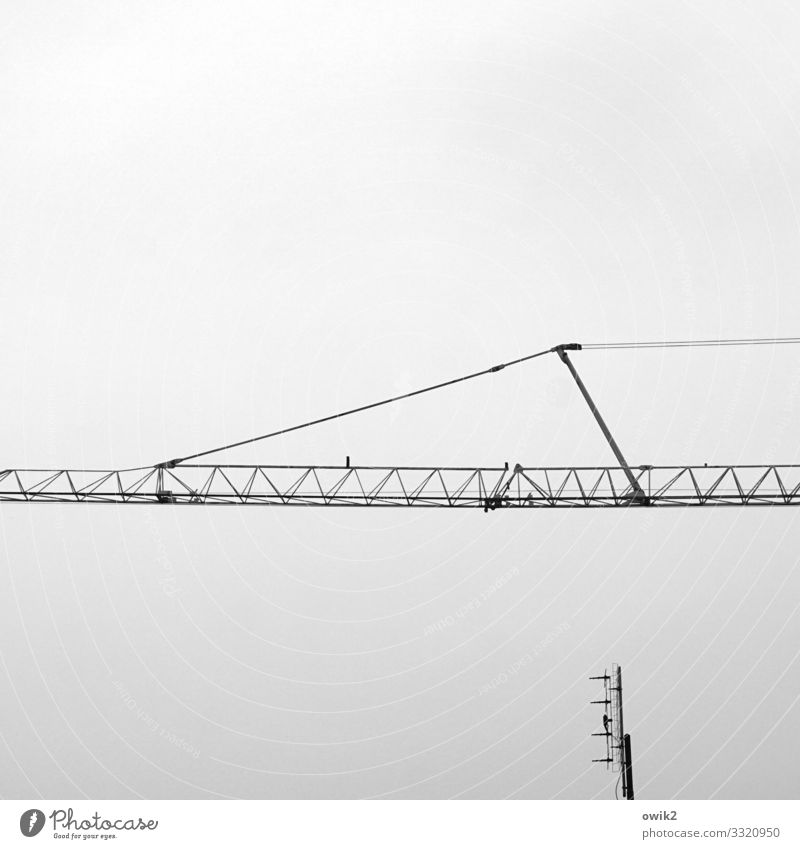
(618, 744)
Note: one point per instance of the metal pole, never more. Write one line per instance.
(627, 766)
(620, 731)
(637, 489)
(624, 744)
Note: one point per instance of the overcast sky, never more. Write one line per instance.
(223, 218)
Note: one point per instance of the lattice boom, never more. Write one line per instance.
(392, 486)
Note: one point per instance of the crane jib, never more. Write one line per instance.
(180, 482)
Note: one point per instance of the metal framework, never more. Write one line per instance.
(179, 481)
(618, 743)
(392, 486)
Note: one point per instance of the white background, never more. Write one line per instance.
(303, 824)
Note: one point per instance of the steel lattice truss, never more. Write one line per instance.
(376, 486)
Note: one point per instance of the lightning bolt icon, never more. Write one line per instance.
(32, 823)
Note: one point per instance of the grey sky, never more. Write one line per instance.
(219, 219)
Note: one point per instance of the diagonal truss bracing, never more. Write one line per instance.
(395, 486)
